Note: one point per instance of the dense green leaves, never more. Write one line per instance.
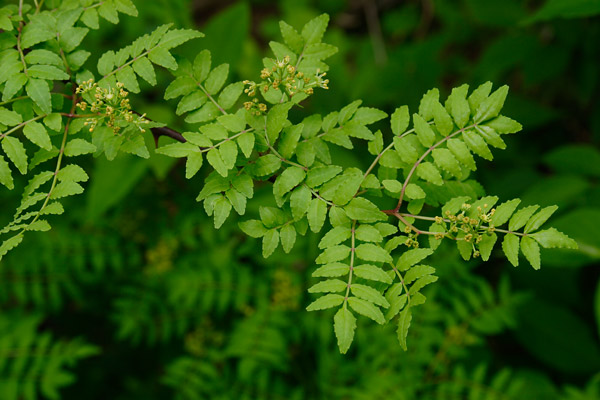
(366, 265)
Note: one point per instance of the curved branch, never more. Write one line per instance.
(429, 150)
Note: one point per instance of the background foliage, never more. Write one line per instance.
(136, 286)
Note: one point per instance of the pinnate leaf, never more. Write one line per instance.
(531, 251)
(367, 309)
(324, 302)
(344, 325)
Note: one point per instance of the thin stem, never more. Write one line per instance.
(134, 59)
(69, 115)
(204, 150)
(447, 220)
(507, 231)
(424, 218)
(399, 275)
(389, 146)
(62, 55)
(38, 6)
(402, 217)
(57, 169)
(352, 251)
(300, 56)
(376, 160)
(20, 28)
(92, 6)
(283, 159)
(318, 196)
(13, 99)
(412, 227)
(209, 96)
(429, 150)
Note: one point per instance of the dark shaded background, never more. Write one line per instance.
(179, 310)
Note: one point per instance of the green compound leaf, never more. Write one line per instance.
(333, 254)
(478, 96)
(10, 118)
(491, 106)
(314, 29)
(373, 273)
(444, 159)
(367, 309)
(443, 121)
(412, 257)
(503, 124)
(510, 246)
(178, 150)
(77, 147)
(538, 219)
(216, 161)
(424, 132)
(15, 151)
(504, 211)
(487, 245)
(288, 237)
(201, 65)
(222, 209)
(427, 104)
(287, 180)
(316, 214)
(193, 164)
(427, 171)
(405, 150)
(328, 286)
(363, 210)
(477, 145)
(337, 235)
(324, 302)
(39, 91)
(417, 272)
(5, 175)
(403, 325)
(238, 201)
(300, 201)
(368, 233)
(368, 293)
(253, 228)
(319, 175)
(292, 38)
(462, 153)
(344, 324)
(216, 79)
(371, 252)
(551, 238)
(336, 269)
(531, 251)
(458, 106)
(270, 242)
(400, 120)
(520, 218)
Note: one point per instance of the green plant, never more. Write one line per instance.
(62, 108)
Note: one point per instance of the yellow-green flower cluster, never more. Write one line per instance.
(412, 237)
(286, 77)
(111, 106)
(468, 227)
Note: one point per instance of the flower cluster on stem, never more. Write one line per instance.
(110, 105)
(286, 77)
